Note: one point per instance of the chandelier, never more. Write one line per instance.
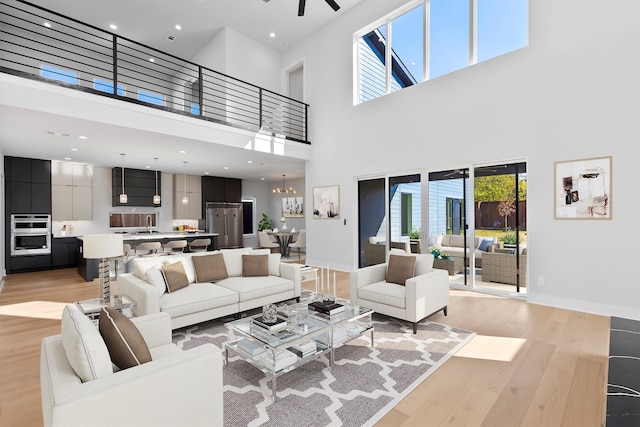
(284, 189)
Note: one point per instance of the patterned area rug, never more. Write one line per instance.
(362, 386)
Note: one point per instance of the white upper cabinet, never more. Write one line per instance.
(71, 194)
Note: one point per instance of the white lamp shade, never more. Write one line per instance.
(98, 246)
(123, 198)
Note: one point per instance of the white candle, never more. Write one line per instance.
(334, 285)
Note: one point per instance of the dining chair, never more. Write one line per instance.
(265, 242)
(301, 242)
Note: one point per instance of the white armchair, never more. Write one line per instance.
(176, 388)
(424, 294)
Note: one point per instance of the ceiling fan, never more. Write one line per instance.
(303, 3)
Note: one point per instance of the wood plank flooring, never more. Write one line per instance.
(531, 365)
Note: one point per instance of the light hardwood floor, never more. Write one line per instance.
(530, 365)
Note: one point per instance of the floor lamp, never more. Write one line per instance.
(103, 247)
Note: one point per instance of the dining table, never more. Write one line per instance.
(284, 237)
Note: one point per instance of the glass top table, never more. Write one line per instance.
(306, 336)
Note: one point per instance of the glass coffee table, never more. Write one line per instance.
(304, 336)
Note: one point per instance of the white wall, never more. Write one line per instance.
(572, 93)
(241, 57)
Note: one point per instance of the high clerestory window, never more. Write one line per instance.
(429, 38)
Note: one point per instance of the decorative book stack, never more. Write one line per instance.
(284, 359)
(304, 349)
(272, 328)
(326, 307)
(250, 349)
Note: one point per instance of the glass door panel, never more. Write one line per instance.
(372, 230)
(500, 193)
(448, 196)
(405, 212)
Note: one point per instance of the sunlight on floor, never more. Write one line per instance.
(35, 309)
(502, 349)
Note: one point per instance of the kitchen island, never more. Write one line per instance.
(88, 268)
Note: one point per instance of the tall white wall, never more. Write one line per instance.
(572, 93)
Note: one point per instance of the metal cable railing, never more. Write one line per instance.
(40, 44)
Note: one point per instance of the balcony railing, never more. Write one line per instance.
(40, 44)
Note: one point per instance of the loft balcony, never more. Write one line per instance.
(39, 44)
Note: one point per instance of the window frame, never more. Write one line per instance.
(386, 22)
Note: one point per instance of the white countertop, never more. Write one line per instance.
(159, 235)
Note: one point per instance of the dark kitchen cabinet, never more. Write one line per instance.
(27, 191)
(28, 186)
(219, 189)
(139, 186)
(64, 252)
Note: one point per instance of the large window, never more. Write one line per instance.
(430, 38)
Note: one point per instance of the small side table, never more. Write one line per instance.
(452, 265)
(92, 307)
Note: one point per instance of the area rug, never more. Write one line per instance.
(362, 386)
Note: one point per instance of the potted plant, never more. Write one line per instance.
(266, 223)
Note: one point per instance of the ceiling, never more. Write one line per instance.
(28, 133)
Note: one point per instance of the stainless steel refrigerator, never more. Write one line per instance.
(226, 220)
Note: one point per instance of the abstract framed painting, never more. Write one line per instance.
(326, 202)
(582, 188)
(293, 207)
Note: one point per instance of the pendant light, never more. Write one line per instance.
(156, 197)
(284, 189)
(185, 199)
(123, 196)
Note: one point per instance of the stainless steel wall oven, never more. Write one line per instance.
(30, 234)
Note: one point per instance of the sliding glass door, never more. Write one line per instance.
(388, 220)
(500, 200)
(448, 228)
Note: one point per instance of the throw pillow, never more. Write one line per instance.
(156, 279)
(186, 263)
(274, 260)
(175, 276)
(400, 268)
(85, 349)
(485, 244)
(124, 341)
(255, 265)
(209, 268)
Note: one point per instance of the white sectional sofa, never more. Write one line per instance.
(199, 302)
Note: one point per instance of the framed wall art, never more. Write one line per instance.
(293, 207)
(326, 202)
(582, 189)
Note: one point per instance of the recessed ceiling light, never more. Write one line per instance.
(67, 158)
(226, 167)
(183, 152)
(272, 35)
(178, 27)
(46, 24)
(113, 26)
(82, 137)
(147, 167)
(249, 161)
(152, 60)
(206, 173)
(74, 149)
(261, 179)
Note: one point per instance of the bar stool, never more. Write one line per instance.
(174, 247)
(147, 249)
(199, 245)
